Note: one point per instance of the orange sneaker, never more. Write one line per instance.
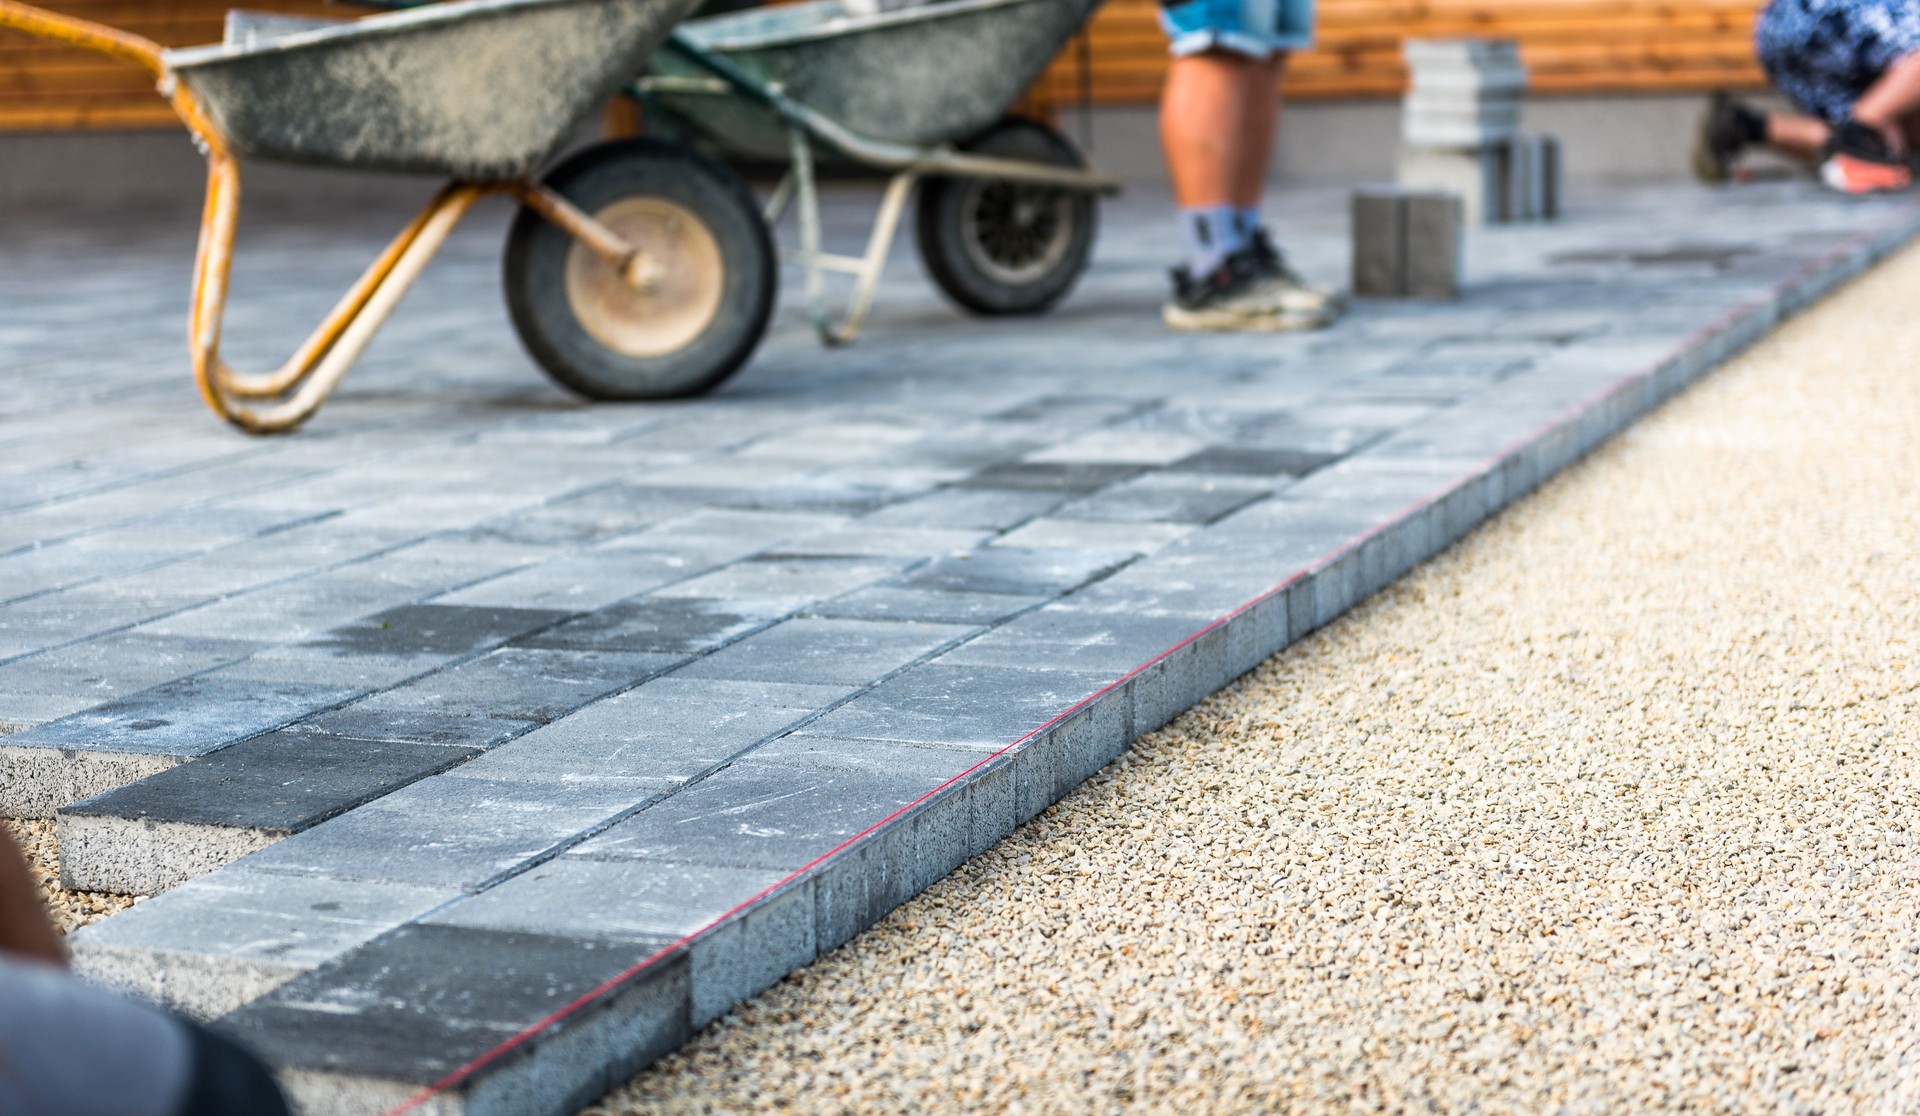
(1860, 161)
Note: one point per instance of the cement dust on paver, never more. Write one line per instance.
(1610, 808)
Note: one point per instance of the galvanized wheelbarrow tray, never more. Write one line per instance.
(484, 93)
(1007, 214)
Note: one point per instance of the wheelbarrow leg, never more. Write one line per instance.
(324, 359)
(866, 269)
(782, 198)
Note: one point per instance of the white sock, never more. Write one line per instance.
(1247, 221)
(1212, 235)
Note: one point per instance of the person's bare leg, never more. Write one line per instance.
(1890, 100)
(1803, 137)
(1259, 129)
(1201, 122)
(25, 929)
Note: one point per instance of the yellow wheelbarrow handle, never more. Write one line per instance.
(302, 384)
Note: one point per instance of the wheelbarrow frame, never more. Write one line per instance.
(282, 399)
(907, 165)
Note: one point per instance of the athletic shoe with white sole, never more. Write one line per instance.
(1237, 296)
(1859, 160)
(1286, 284)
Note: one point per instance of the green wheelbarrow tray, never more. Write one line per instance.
(933, 74)
(1007, 209)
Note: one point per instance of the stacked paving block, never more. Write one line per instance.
(1460, 131)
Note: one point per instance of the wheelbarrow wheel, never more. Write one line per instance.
(999, 247)
(689, 328)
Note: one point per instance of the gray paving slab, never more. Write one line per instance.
(824, 651)
(803, 645)
(660, 735)
(524, 683)
(449, 831)
(212, 945)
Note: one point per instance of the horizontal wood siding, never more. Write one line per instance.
(46, 87)
(1570, 46)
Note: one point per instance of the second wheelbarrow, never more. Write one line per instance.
(636, 269)
(1007, 207)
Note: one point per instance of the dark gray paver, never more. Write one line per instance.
(675, 624)
(407, 1008)
(188, 820)
(120, 741)
(897, 597)
(1169, 498)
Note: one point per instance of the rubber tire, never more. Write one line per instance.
(941, 227)
(534, 273)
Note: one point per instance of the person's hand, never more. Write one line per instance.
(25, 929)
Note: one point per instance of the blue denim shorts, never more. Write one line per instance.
(1823, 54)
(1254, 28)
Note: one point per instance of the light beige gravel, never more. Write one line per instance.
(70, 909)
(1609, 809)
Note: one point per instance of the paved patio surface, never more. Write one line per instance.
(490, 742)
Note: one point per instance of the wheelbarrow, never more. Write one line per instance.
(1007, 213)
(628, 265)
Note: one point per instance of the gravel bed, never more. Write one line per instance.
(70, 909)
(1610, 808)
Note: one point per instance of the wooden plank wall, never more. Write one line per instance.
(1570, 46)
(45, 87)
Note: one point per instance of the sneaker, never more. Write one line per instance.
(1726, 127)
(1236, 296)
(1285, 284)
(1858, 160)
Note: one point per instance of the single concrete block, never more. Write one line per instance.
(1379, 243)
(1435, 252)
(858, 886)
(1477, 174)
(184, 822)
(1518, 201)
(1551, 168)
(209, 946)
